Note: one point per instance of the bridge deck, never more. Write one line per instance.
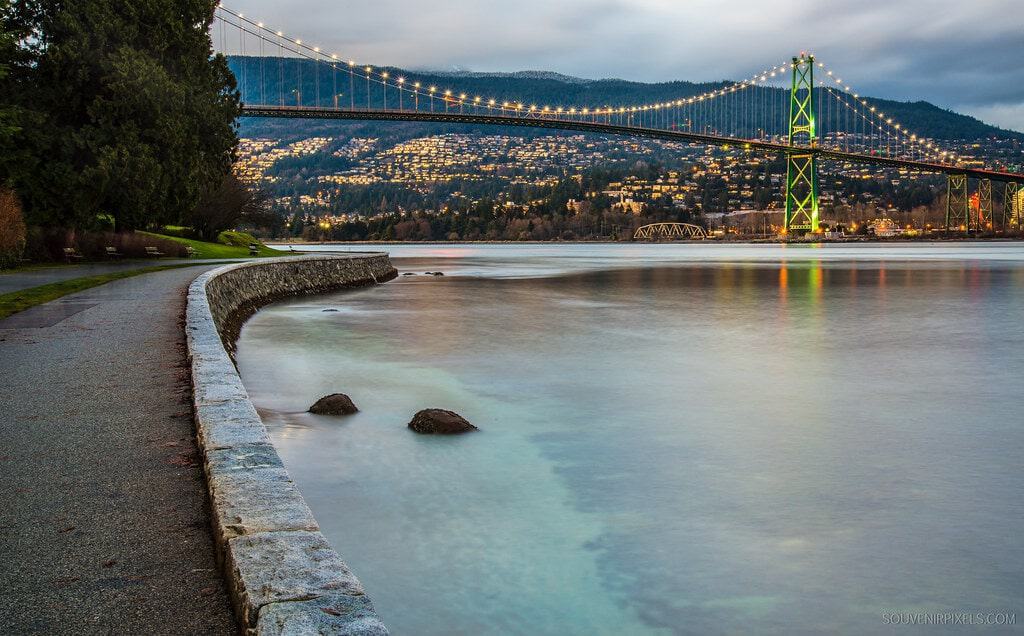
(307, 112)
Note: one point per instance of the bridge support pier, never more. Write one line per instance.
(985, 217)
(958, 214)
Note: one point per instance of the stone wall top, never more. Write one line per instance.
(283, 576)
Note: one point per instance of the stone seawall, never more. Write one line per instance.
(283, 576)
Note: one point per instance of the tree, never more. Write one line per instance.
(227, 206)
(12, 227)
(132, 115)
(7, 112)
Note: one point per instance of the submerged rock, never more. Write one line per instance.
(334, 404)
(440, 422)
(438, 273)
(330, 310)
(409, 274)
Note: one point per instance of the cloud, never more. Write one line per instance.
(1003, 115)
(960, 55)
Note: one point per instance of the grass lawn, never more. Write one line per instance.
(217, 250)
(23, 299)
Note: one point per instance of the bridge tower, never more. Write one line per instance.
(802, 169)
(958, 203)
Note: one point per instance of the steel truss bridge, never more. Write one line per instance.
(656, 231)
(781, 110)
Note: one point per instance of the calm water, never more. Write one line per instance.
(692, 439)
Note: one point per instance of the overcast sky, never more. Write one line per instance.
(967, 55)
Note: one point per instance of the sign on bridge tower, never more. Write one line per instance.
(802, 169)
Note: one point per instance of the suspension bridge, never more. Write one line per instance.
(799, 109)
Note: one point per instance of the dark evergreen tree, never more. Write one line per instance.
(124, 109)
(7, 112)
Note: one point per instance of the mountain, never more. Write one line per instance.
(284, 80)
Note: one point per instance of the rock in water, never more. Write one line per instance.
(334, 404)
(440, 422)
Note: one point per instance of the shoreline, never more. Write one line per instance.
(846, 241)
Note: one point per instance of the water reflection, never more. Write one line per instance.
(694, 447)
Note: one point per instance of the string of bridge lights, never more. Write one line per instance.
(922, 150)
(513, 106)
(926, 146)
(451, 98)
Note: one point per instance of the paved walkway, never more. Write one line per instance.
(33, 277)
(103, 512)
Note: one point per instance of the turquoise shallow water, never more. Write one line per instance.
(685, 439)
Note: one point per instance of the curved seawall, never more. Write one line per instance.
(283, 576)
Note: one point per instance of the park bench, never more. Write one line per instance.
(152, 251)
(254, 249)
(113, 253)
(71, 255)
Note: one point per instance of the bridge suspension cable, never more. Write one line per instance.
(744, 110)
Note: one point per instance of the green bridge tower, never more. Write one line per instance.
(802, 169)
